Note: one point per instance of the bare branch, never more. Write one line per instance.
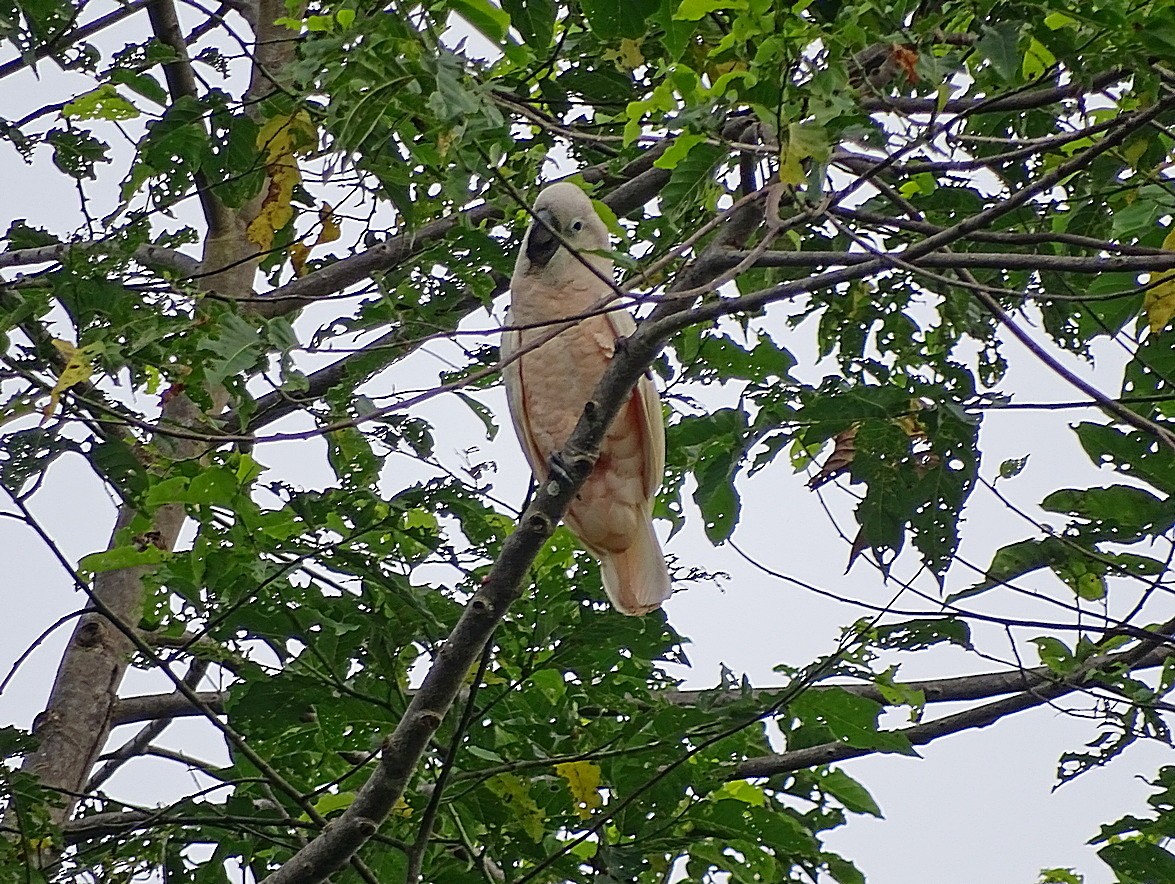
(146, 736)
(149, 707)
(149, 255)
(967, 260)
(1016, 101)
(181, 81)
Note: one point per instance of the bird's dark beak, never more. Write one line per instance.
(541, 243)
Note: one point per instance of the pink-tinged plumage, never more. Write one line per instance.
(547, 388)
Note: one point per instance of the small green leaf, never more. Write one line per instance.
(804, 142)
(916, 635)
(692, 10)
(103, 103)
(1054, 654)
(485, 16)
(850, 793)
(483, 414)
(1009, 562)
(852, 720)
(678, 150)
(236, 348)
(1013, 467)
(142, 83)
(77, 152)
(1001, 46)
(533, 19)
(618, 18)
(331, 802)
(122, 557)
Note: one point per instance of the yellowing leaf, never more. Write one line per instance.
(515, 796)
(299, 252)
(77, 369)
(906, 60)
(583, 779)
(844, 451)
(1159, 301)
(330, 225)
(627, 57)
(803, 142)
(281, 139)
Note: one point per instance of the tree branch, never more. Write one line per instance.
(147, 735)
(148, 255)
(181, 81)
(69, 38)
(966, 260)
(921, 734)
(148, 707)
(1020, 101)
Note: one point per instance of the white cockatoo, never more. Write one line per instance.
(548, 387)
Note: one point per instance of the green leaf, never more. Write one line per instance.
(718, 500)
(77, 152)
(690, 179)
(533, 19)
(515, 795)
(1001, 46)
(117, 462)
(122, 557)
(678, 150)
(1132, 453)
(142, 83)
(849, 792)
(1119, 512)
(804, 142)
(843, 871)
(1009, 562)
(103, 103)
(1139, 861)
(692, 10)
(216, 486)
(1013, 467)
(236, 348)
(1055, 654)
(675, 34)
(483, 414)
(852, 720)
(485, 16)
(618, 18)
(919, 634)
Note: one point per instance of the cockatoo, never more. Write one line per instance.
(548, 387)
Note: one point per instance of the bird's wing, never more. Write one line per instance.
(646, 398)
(516, 400)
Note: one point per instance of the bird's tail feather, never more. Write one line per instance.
(636, 580)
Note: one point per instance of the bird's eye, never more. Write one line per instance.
(576, 226)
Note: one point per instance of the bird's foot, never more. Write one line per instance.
(561, 471)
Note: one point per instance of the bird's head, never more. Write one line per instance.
(564, 212)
